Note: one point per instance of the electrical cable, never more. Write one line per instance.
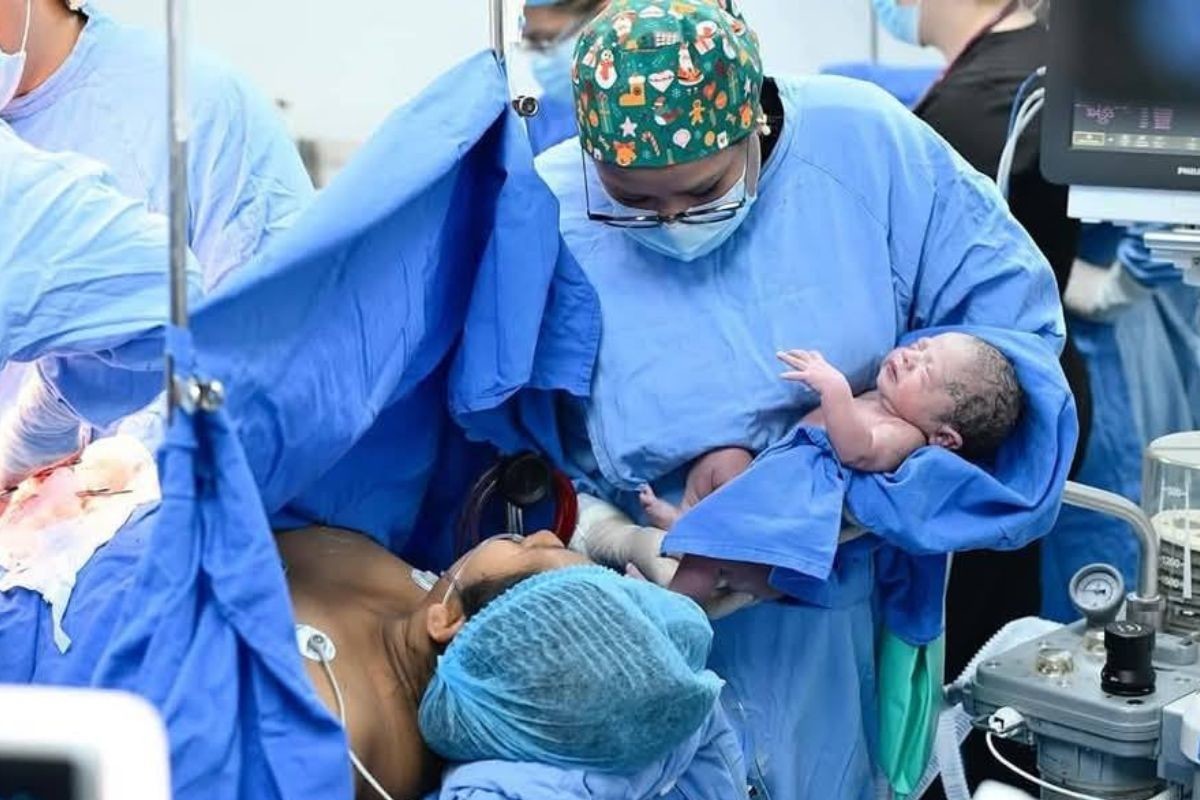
(1029, 111)
(341, 705)
(1040, 72)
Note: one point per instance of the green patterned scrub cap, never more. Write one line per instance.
(663, 82)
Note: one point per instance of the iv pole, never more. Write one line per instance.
(183, 392)
(178, 126)
(496, 27)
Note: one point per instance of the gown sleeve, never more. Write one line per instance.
(82, 269)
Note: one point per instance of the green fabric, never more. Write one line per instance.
(910, 698)
(663, 82)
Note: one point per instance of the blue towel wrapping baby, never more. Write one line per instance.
(788, 507)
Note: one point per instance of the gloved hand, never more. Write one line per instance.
(722, 587)
(609, 537)
(720, 603)
(1135, 257)
(39, 430)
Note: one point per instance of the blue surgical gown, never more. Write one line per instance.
(108, 100)
(708, 766)
(246, 181)
(82, 266)
(867, 226)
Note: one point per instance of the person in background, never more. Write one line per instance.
(79, 81)
(1136, 324)
(549, 30)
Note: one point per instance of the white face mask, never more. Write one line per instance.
(12, 65)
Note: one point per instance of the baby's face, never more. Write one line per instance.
(912, 380)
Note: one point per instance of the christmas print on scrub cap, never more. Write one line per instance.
(663, 82)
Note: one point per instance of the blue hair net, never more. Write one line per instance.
(576, 667)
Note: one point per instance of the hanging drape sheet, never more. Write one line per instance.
(335, 347)
(338, 338)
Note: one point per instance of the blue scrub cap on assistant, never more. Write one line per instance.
(575, 668)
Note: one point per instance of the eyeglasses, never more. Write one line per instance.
(704, 215)
(533, 43)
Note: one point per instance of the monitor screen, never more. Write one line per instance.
(1131, 127)
(28, 778)
(1124, 92)
(1136, 65)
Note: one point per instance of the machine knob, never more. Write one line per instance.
(1128, 670)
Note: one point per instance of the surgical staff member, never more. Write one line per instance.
(74, 79)
(718, 215)
(549, 31)
(991, 47)
(94, 86)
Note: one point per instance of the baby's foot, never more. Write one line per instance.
(660, 513)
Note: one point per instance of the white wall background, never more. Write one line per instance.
(343, 65)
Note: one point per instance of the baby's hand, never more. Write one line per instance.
(810, 367)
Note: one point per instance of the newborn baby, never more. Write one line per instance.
(953, 391)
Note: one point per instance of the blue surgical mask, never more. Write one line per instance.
(553, 71)
(902, 22)
(690, 242)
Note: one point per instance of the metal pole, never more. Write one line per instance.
(1087, 497)
(874, 41)
(179, 131)
(496, 26)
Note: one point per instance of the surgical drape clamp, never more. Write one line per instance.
(194, 394)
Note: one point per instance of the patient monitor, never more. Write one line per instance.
(1121, 122)
(74, 744)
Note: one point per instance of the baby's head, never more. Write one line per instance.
(961, 392)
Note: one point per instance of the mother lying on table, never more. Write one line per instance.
(522, 652)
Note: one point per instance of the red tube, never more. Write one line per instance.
(566, 508)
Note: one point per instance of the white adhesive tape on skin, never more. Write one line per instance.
(314, 644)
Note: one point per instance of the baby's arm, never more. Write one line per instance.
(712, 471)
(861, 441)
(893, 440)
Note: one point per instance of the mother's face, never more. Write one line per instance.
(672, 190)
(493, 561)
(502, 557)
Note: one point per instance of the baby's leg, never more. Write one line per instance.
(659, 512)
(713, 471)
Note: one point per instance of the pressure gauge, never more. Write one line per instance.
(1097, 591)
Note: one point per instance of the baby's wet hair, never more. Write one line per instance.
(987, 403)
